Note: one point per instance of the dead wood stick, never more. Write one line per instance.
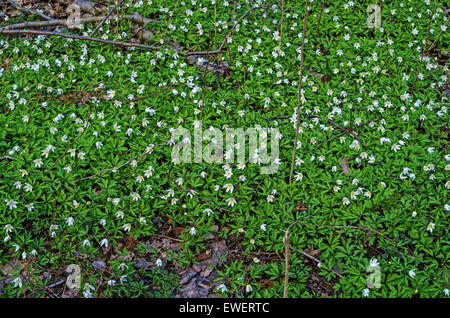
(106, 18)
(39, 24)
(318, 261)
(78, 37)
(217, 51)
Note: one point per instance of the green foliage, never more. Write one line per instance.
(88, 128)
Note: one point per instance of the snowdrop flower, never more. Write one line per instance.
(411, 273)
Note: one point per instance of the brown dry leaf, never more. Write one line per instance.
(130, 242)
(9, 267)
(312, 252)
(266, 283)
(5, 63)
(299, 207)
(344, 165)
(178, 230)
(203, 255)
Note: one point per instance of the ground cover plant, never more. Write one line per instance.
(92, 203)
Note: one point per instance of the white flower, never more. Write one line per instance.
(158, 262)
(104, 242)
(222, 288)
(231, 201)
(17, 282)
(345, 201)
(11, 204)
(192, 231)
(37, 162)
(412, 273)
(431, 227)
(248, 288)
(69, 221)
(366, 292)
(208, 211)
(374, 263)
(8, 228)
(127, 227)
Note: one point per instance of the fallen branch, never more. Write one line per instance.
(217, 51)
(119, 167)
(287, 251)
(318, 261)
(78, 37)
(137, 18)
(297, 126)
(287, 255)
(105, 18)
